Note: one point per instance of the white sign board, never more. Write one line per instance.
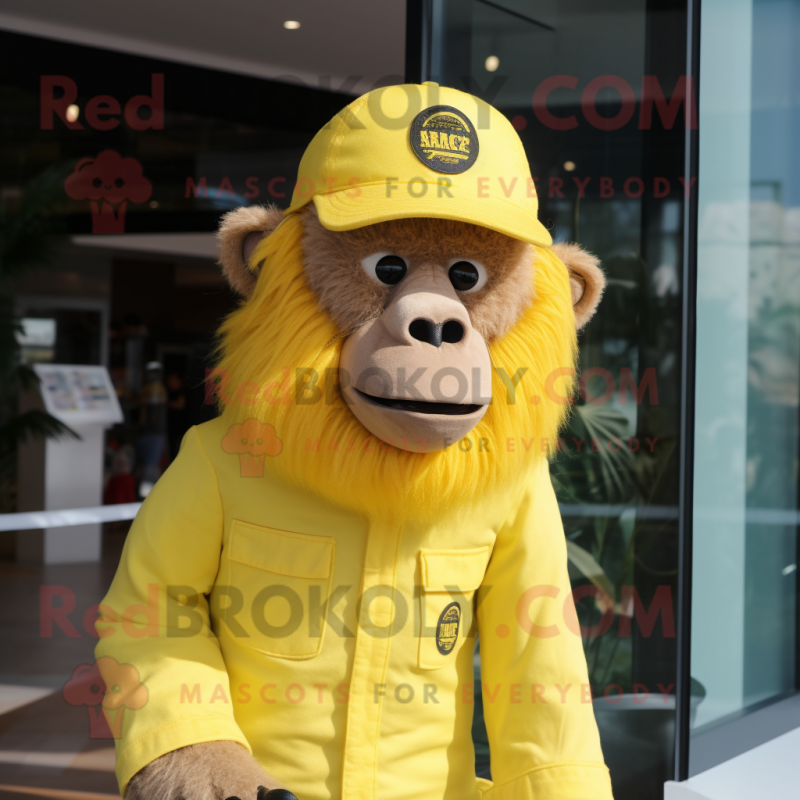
(79, 395)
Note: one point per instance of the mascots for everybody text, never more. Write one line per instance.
(301, 591)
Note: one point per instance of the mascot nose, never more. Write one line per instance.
(274, 794)
(424, 330)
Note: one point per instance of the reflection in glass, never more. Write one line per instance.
(748, 366)
(608, 177)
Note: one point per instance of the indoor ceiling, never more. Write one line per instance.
(348, 45)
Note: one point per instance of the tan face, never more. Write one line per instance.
(418, 300)
(419, 374)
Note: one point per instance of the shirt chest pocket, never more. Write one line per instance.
(449, 580)
(285, 580)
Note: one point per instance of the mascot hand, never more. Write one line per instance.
(209, 771)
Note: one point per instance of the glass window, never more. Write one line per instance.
(748, 360)
(598, 94)
(177, 144)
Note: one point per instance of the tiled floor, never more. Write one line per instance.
(46, 744)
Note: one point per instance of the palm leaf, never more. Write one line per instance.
(34, 424)
(585, 563)
(616, 466)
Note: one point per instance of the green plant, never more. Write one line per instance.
(27, 227)
(602, 548)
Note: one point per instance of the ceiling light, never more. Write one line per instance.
(72, 113)
(492, 63)
(291, 24)
(569, 166)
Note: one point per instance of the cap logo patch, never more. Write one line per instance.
(447, 628)
(444, 139)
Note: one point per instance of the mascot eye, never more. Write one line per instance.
(467, 276)
(119, 183)
(97, 183)
(385, 268)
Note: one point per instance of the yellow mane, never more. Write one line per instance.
(281, 329)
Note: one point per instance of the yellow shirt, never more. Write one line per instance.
(339, 649)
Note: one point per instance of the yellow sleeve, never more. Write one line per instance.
(167, 686)
(543, 738)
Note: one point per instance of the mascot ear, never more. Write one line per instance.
(585, 277)
(239, 233)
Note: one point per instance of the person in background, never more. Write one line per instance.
(177, 417)
(152, 426)
(120, 485)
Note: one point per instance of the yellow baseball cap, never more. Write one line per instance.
(420, 151)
